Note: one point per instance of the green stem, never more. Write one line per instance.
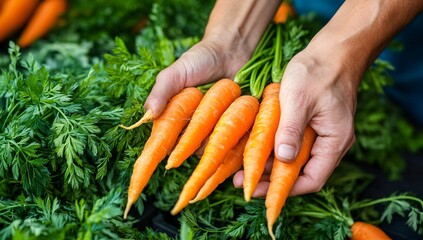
(9, 114)
(242, 75)
(265, 39)
(278, 55)
(257, 84)
(383, 200)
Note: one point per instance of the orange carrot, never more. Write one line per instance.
(365, 231)
(284, 11)
(231, 127)
(283, 177)
(45, 16)
(14, 14)
(1, 3)
(262, 139)
(147, 117)
(216, 100)
(164, 134)
(231, 164)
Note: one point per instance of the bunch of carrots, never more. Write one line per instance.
(31, 18)
(240, 129)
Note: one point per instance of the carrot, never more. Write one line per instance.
(14, 14)
(364, 231)
(262, 139)
(164, 135)
(282, 179)
(284, 11)
(231, 164)
(216, 100)
(1, 3)
(147, 117)
(45, 16)
(231, 127)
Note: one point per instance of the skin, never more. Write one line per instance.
(319, 86)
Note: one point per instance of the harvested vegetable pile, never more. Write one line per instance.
(66, 162)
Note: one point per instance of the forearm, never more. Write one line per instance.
(361, 29)
(238, 25)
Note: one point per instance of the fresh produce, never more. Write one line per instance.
(13, 16)
(65, 164)
(216, 100)
(231, 164)
(43, 19)
(283, 178)
(31, 19)
(164, 135)
(284, 11)
(237, 119)
(362, 231)
(262, 138)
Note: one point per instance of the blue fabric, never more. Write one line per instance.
(407, 89)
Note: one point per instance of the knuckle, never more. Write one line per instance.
(317, 186)
(292, 129)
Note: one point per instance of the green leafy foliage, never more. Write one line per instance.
(65, 164)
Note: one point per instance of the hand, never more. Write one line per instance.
(319, 88)
(233, 30)
(205, 62)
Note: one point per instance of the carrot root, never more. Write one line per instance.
(164, 134)
(283, 178)
(43, 19)
(214, 103)
(231, 127)
(364, 231)
(261, 142)
(148, 117)
(231, 164)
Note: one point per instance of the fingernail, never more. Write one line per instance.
(286, 151)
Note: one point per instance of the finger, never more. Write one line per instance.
(199, 65)
(199, 152)
(320, 167)
(238, 179)
(169, 82)
(293, 121)
(261, 189)
(268, 166)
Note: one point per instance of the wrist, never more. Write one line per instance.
(235, 27)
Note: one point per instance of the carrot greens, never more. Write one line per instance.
(65, 163)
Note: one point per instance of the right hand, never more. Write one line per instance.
(205, 62)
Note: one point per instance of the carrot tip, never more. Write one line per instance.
(270, 229)
(128, 207)
(247, 196)
(168, 166)
(194, 200)
(174, 211)
(148, 117)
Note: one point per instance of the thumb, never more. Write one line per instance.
(169, 82)
(292, 124)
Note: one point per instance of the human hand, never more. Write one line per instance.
(205, 62)
(233, 30)
(319, 88)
